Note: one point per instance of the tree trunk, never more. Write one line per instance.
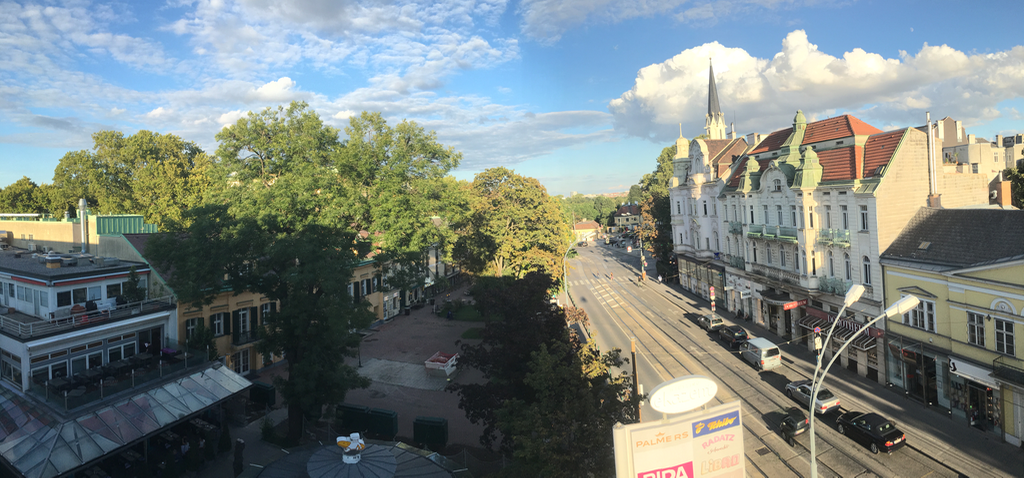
(294, 423)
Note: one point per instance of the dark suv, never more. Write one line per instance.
(733, 335)
(793, 425)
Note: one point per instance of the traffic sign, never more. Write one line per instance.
(629, 248)
(712, 293)
(817, 330)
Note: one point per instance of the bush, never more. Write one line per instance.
(267, 430)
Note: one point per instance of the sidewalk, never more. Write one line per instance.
(393, 356)
(930, 430)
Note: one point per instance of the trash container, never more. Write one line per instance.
(354, 417)
(432, 431)
(263, 393)
(383, 423)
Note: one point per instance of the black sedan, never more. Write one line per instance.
(873, 430)
(794, 424)
(733, 335)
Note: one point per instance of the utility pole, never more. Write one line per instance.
(636, 380)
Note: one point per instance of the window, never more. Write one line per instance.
(679, 208)
(792, 213)
(849, 267)
(714, 208)
(976, 329)
(922, 316)
(681, 238)
(867, 271)
(974, 168)
(113, 290)
(21, 293)
(717, 246)
(810, 216)
(782, 257)
(705, 203)
(364, 287)
(64, 298)
(863, 218)
(766, 214)
(768, 254)
(79, 296)
(778, 213)
(218, 323)
(374, 286)
(243, 321)
(94, 293)
(755, 252)
(728, 245)
(846, 218)
(1004, 337)
(751, 214)
(707, 243)
(831, 265)
(777, 185)
(828, 217)
(44, 298)
(734, 216)
(190, 328)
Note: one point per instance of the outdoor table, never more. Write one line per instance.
(61, 383)
(202, 425)
(119, 367)
(183, 356)
(143, 358)
(77, 392)
(92, 375)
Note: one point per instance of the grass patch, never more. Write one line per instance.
(474, 333)
(467, 313)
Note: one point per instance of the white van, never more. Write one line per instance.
(762, 353)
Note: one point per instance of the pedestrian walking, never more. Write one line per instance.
(239, 449)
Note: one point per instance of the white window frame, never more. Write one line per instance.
(921, 317)
(864, 218)
(1005, 337)
(866, 280)
(218, 322)
(846, 217)
(849, 267)
(976, 329)
(828, 217)
(190, 327)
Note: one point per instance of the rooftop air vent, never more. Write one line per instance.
(924, 246)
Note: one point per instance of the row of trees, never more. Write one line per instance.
(282, 209)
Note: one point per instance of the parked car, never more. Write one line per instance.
(762, 353)
(873, 430)
(801, 391)
(795, 424)
(710, 323)
(581, 244)
(733, 335)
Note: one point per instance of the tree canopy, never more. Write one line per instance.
(549, 399)
(22, 196)
(1016, 178)
(512, 226)
(655, 209)
(158, 176)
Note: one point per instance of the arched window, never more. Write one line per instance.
(728, 245)
(768, 254)
(782, 256)
(717, 246)
(755, 252)
(867, 271)
(803, 262)
(831, 265)
(849, 267)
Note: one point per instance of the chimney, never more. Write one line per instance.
(732, 134)
(999, 140)
(753, 139)
(970, 139)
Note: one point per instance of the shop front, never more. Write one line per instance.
(974, 395)
(918, 371)
(699, 275)
(739, 297)
(779, 318)
(861, 357)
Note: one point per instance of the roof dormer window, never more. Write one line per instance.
(777, 185)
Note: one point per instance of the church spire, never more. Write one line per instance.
(715, 120)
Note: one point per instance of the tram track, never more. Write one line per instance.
(666, 344)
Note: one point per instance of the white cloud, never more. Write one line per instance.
(761, 95)
(278, 91)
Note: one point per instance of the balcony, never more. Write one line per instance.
(781, 275)
(24, 326)
(773, 233)
(1009, 369)
(735, 227)
(242, 338)
(834, 285)
(737, 262)
(138, 372)
(834, 237)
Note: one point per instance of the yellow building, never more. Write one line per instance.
(958, 349)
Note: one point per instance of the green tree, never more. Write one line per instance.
(278, 226)
(549, 399)
(635, 194)
(605, 208)
(22, 196)
(512, 228)
(155, 175)
(655, 209)
(132, 291)
(1016, 178)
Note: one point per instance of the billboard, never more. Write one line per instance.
(703, 443)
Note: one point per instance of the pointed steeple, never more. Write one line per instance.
(713, 107)
(714, 124)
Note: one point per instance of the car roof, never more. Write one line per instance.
(875, 419)
(802, 382)
(796, 412)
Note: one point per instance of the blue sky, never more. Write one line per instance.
(581, 94)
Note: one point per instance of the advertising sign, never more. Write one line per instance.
(703, 443)
(794, 304)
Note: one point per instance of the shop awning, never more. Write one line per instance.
(844, 330)
(972, 372)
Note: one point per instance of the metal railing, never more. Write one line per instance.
(735, 227)
(782, 275)
(773, 233)
(57, 324)
(737, 262)
(834, 285)
(1009, 369)
(834, 237)
(242, 338)
(130, 373)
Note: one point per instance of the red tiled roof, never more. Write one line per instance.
(628, 208)
(773, 141)
(735, 180)
(716, 146)
(879, 149)
(837, 164)
(586, 225)
(728, 156)
(838, 127)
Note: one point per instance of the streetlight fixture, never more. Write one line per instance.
(900, 307)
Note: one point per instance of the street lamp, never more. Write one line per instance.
(901, 307)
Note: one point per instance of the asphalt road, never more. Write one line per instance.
(603, 281)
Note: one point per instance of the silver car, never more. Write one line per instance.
(801, 391)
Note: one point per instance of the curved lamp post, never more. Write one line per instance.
(900, 307)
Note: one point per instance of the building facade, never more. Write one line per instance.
(958, 349)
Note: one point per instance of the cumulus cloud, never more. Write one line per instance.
(761, 95)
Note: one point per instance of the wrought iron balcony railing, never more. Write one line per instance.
(834, 237)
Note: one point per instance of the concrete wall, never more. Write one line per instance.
(903, 189)
(963, 189)
(61, 236)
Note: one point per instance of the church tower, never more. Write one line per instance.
(714, 124)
